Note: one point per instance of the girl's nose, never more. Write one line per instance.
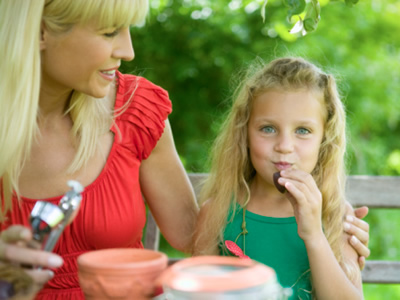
(123, 45)
(284, 143)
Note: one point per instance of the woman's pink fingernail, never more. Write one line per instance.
(346, 226)
(25, 234)
(55, 261)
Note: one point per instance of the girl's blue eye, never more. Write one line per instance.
(268, 129)
(302, 131)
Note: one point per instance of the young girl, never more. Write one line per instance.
(287, 117)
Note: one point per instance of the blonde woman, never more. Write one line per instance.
(67, 113)
(286, 119)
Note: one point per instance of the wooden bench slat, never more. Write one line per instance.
(377, 271)
(374, 191)
(152, 234)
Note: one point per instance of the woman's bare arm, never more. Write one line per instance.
(169, 193)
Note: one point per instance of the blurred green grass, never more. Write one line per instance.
(381, 291)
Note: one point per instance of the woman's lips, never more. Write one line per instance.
(108, 75)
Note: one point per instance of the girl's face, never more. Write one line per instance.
(285, 131)
(83, 59)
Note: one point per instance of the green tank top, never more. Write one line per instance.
(275, 243)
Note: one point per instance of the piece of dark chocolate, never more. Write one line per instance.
(280, 187)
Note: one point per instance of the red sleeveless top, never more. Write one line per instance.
(112, 212)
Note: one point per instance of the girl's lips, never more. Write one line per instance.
(282, 165)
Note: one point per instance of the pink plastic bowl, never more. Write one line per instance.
(121, 273)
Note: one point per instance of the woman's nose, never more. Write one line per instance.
(123, 48)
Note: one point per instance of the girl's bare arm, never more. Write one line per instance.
(328, 278)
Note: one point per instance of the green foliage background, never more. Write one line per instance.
(193, 49)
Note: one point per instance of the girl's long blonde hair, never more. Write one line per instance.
(232, 171)
(20, 29)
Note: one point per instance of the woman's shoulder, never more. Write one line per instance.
(141, 90)
(141, 108)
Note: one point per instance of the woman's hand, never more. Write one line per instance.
(23, 267)
(359, 233)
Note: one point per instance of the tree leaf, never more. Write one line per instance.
(296, 7)
(350, 2)
(312, 16)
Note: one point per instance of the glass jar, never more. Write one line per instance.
(221, 278)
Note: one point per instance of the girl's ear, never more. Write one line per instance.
(43, 36)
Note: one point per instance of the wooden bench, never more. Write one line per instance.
(372, 191)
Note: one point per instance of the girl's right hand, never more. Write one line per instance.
(306, 199)
(25, 268)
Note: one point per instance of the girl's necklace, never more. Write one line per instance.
(232, 246)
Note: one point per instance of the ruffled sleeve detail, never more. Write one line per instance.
(141, 110)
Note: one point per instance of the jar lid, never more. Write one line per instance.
(216, 274)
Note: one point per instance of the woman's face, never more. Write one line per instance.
(83, 59)
(285, 131)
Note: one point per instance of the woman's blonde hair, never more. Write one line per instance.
(20, 29)
(232, 171)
